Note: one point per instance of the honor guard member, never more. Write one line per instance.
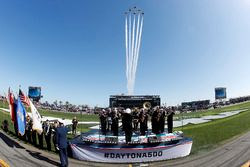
(55, 125)
(28, 129)
(40, 139)
(47, 133)
(33, 134)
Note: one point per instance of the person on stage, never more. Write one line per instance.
(162, 120)
(109, 119)
(143, 119)
(115, 122)
(155, 120)
(103, 120)
(170, 120)
(135, 116)
(127, 124)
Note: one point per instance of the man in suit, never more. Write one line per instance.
(61, 140)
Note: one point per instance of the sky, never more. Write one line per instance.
(75, 50)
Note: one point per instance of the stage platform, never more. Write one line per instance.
(113, 149)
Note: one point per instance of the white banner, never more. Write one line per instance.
(37, 119)
(127, 155)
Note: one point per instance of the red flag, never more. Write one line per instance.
(11, 101)
(23, 98)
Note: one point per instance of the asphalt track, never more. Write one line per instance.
(232, 154)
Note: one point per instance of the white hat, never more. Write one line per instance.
(128, 111)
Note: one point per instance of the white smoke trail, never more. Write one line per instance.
(126, 44)
(132, 55)
(133, 32)
(139, 45)
(129, 57)
(136, 46)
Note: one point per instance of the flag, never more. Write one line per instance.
(37, 119)
(23, 98)
(21, 117)
(11, 101)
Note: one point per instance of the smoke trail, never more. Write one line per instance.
(132, 55)
(133, 32)
(138, 48)
(129, 60)
(136, 45)
(126, 44)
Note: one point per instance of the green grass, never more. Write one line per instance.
(209, 135)
(201, 113)
(58, 114)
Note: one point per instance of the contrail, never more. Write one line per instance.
(133, 32)
(126, 43)
(133, 55)
(129, 58)
(138, 48)
(136, 44)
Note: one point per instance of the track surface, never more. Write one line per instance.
(234, 153)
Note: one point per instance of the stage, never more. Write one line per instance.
(111, 149)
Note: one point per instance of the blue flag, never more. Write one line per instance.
(21, 117)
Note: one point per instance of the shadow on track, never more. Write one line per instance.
(38, 155)
(10, 142)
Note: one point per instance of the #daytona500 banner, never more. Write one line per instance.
(118, 155)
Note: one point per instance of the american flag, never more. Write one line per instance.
(24, 99)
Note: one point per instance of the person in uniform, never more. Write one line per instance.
(33, 135)
(115, 122)
(170, 121)
(40, 137)
(143, 119)
(61, 140)
(103, 120)
(47, 134)
(74, 125)
(155, 120)
(28, 129)
(135, 116)
(109, 119)
(127, 124)
(162, 120)
(53, 130)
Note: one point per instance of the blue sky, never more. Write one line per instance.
(75, 50)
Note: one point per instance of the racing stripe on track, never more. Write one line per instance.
(247, 164)
(3, 163)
